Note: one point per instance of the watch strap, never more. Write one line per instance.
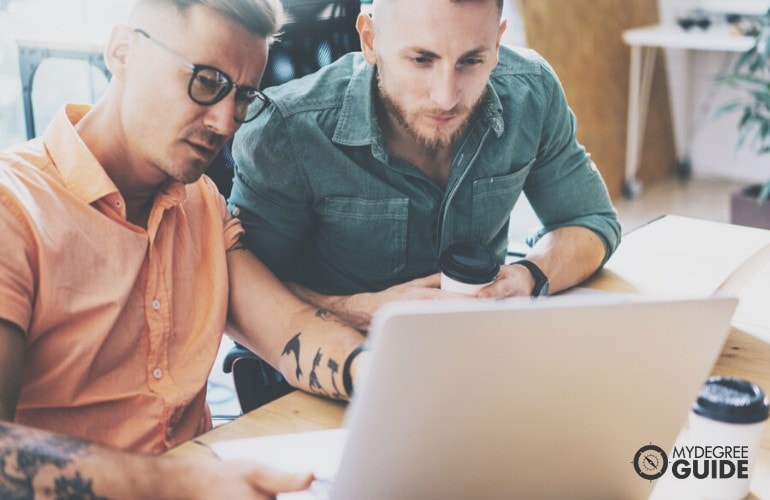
(541, 280)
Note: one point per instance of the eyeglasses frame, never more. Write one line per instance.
(196, 68)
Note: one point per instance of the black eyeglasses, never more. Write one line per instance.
(208, 86)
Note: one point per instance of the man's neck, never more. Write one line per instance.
(119, 164)
(433, 162)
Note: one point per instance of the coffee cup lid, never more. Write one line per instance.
(469, 262)
(732, 400)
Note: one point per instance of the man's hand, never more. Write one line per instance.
(513, 281)
(247, 479)
(42, 462)
(567, 256)
(357, 310)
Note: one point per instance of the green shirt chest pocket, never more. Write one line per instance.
(493, 201)
(365, 236)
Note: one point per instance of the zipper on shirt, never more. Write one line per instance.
(456, 186)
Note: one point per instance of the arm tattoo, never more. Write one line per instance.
(326, 315)
(24, 454)
(334, 367)
(292, 346)
(236, 247)
(75, 488)
(315, 384)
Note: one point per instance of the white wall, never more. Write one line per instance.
(514, 34)
(57, 80)
(713, 151)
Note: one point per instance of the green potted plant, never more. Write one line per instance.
(751, 76)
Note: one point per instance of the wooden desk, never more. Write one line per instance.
(296, 412)
(644, 43)
(746, 354)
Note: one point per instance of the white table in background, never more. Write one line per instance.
(644, 43)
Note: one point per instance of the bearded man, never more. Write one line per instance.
(357, 177)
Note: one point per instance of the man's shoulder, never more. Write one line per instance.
(325, 89)
(519, 60)
(26, 163)
(521, 73)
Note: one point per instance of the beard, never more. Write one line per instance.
(407, 119)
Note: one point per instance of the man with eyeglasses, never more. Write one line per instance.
(114, 267)
(356, 179)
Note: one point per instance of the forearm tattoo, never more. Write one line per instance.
(334, 367)
(24, 453)
(326, 315)
(292, 346)
(236, 247)
(314, 382)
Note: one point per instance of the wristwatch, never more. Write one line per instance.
(541, 280)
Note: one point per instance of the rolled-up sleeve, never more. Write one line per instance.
(269, 193)
(564, 187)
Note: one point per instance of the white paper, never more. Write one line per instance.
(684, 257)
(318, 452)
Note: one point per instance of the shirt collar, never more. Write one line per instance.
(493, 110)
(81, 172)
(354, 127)
(358, 126)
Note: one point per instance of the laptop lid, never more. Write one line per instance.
(520, 399)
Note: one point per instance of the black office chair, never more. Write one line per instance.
(317, 33)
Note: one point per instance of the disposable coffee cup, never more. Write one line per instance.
(467, 267)
(729, 414)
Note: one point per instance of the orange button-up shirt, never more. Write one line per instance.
(122, 324)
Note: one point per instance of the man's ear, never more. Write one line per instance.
(501, 30)
(365, 27)
(118, 47)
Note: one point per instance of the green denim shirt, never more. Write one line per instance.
(326, 206)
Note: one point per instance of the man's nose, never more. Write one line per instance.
(445, 89)
(220, 117)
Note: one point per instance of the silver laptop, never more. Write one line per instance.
(520, 399)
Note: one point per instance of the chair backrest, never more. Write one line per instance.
(317, 33)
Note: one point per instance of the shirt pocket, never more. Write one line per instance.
(492, 203)
(366, 236)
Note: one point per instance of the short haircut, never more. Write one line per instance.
(499, 3)
(260, 17)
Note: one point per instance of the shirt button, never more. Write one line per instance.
(157, 373)
(119, 203)
(236, 212)
(156, 304)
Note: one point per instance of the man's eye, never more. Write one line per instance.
(209, 81)
(421, 60)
